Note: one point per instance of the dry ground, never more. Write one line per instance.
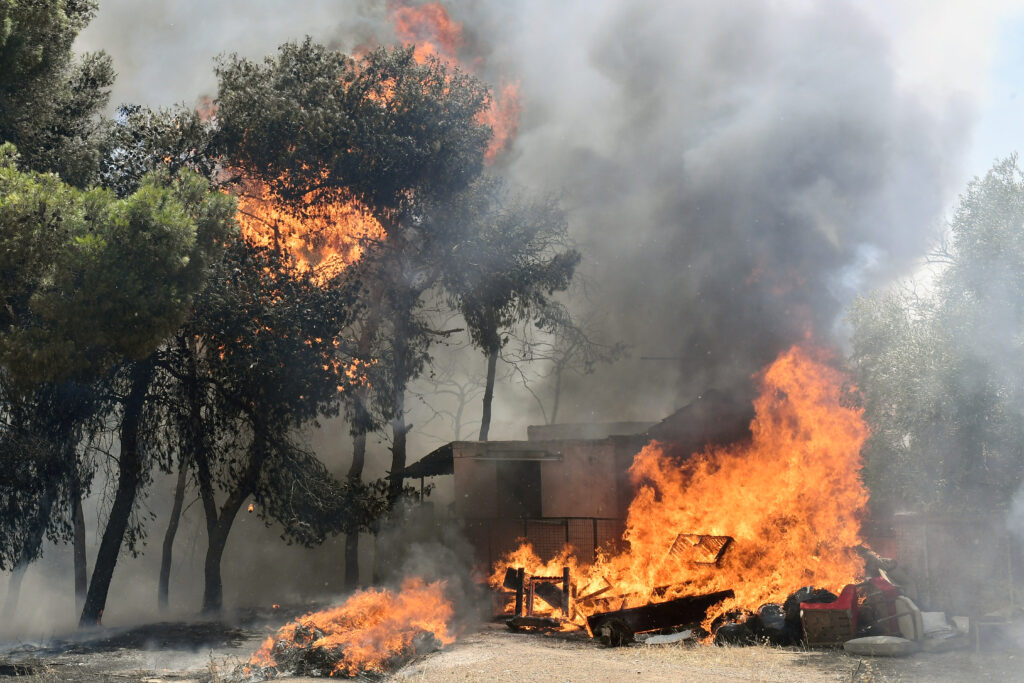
(493, 654)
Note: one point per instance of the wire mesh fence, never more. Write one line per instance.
(493, 538)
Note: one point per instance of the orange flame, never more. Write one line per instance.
(433, 34)
(370, 627)
(322, 236)
(430, 30)
(791, 498)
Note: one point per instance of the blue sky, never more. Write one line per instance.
(1000, 126)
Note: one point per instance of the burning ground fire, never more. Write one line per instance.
(371, 632)
(791, 499)
(758, 519)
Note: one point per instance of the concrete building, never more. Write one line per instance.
(565, 483)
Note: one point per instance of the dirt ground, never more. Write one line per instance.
(494, 654)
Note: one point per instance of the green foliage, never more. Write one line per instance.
(88, 279)
(512, 257)
(942, 374)
(139, 141)
(379, 128)
(260, 356)
(49, 100)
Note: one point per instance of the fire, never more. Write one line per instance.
(429, 29)
(326, 235)
(791, 498)
(368, 631)
(323, 236)
(433, 34)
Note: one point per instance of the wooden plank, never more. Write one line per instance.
(659, 615)
(516, 623)
(699, 548)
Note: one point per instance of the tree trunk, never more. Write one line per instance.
(172, 530)
(361, 425)
(399, 429)
(78, 552)
(28, 554)
(355, 475)
(213, 587)
(558, 394)
(485, 421)
(129, 472)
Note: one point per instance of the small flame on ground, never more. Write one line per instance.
(791, 498)
(370, 627)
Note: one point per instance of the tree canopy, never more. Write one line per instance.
(49, 98)
(88, 279)
(942, 367)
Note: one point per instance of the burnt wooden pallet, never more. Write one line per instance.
(699, 548)
(619, 626)
(519, 623)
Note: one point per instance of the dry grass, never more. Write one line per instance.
(494, 654)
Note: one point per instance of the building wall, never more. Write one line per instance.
(476, 489)
(585, 493)
(587, 481)
(584, 483)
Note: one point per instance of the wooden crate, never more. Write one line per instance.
(828, 627)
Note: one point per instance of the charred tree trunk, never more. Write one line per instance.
(399, 429)
(28, 553)
(219, 526)
(172, 530)
(485, 420)
(361, 425)
(355, 475)
(213, 586)
(398, 450)
(558, 394)
(78, 540)
(129, 474)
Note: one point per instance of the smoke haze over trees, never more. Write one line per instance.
(726, 167)
(730, 175)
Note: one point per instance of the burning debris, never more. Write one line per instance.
(733, 529)
(372, 632)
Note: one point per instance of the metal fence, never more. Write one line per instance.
(493, 538)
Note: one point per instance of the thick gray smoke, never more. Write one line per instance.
(735, 173)
(738, 171)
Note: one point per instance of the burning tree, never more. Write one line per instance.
(384, 133)
(258, 360)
